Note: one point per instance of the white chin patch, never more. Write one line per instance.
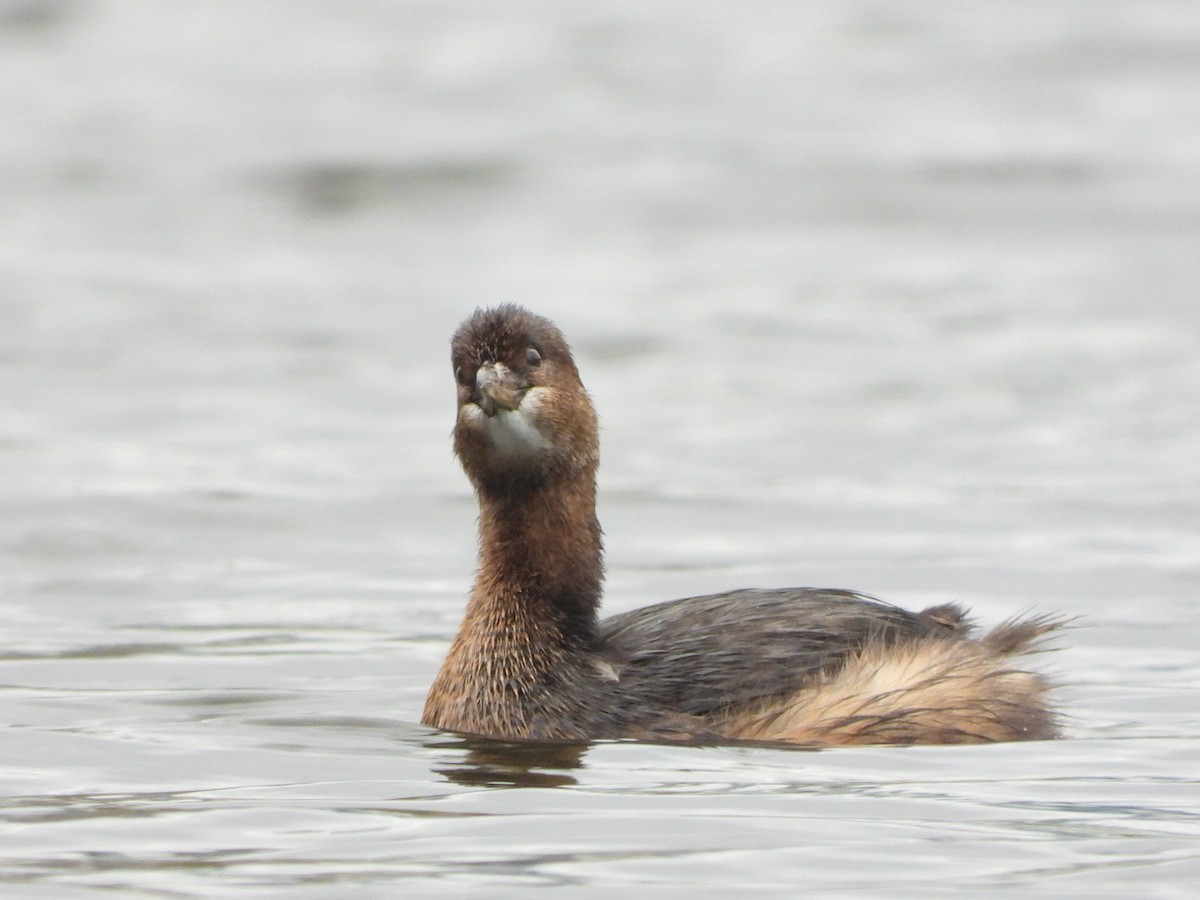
(514, 433)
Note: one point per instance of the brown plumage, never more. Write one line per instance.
(800, 665)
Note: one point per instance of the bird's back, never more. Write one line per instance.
(807, 665)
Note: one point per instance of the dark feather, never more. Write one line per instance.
(703, 653)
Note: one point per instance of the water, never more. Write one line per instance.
(868, 295)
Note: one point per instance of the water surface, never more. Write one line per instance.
(868, 296)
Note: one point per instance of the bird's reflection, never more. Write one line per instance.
(510, 763)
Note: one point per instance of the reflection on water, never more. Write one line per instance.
(881, 296)
(499, 763)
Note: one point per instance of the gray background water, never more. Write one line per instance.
(891, 296)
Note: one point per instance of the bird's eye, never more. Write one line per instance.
(460, 375)
(533, 359)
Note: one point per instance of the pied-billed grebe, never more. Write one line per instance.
(799, 665)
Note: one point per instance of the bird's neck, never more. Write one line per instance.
(531, 618)
(540, 561)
